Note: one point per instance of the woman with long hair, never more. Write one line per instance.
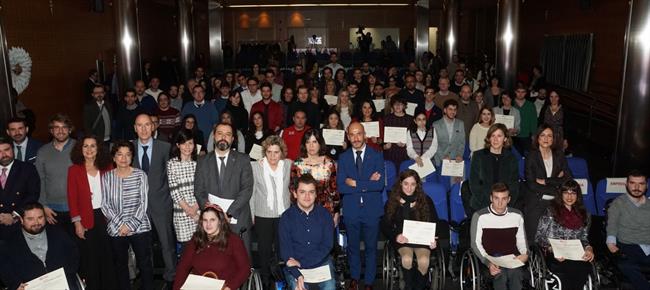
(333, 121)
(189, 122)
(345, 108)
(181, 168)
(368, 113)
(566, 219)
(90, 161)
(493, 93)
(407, 201)
(480, 129)
(214, 251)
(553, 114)
(238, 111)
(506, 108)
(421, 142)
(258, 130)
(330, 88)
(340, 79)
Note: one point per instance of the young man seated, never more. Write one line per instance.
(306, 233)
(498, 230)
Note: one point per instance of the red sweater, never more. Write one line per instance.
(275, 116)
(79, 195)
(231, 265)
(292, 138)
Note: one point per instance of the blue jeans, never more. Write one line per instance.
(630, 265)
(326, 285)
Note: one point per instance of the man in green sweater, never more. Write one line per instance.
(528, 124)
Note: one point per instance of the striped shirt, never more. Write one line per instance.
(124, 202)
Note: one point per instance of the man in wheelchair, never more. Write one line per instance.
(628, 230)
(498, 230)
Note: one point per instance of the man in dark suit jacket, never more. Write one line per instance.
(232, 181)
(360, 179)
(37, 250)
(25, 148)
(151, 156)
(19, 185)
(97, 115)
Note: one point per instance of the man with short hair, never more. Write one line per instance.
(334, 65)
(467, 109)
(154, 89)
(498, 230)
(206, 114)
(37, 250)
(459, 81)
(273, 112)
(224, 95)
(276, 88)
(126, 117)
(303, 103)
(175, 100)
(451, 135)
(305, 236)
(25, 148)
(97, 115)
(146, 102)
(433, 112)
(628, 229)
(293, 134)
(528, 117)
(444, 93)
(91, 82)
(241, 83)
(361, 82)
(412, 95)
(252, 95)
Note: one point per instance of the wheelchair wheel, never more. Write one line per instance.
(593, 280)
(437, 269)
(537, 270)
(254, 281)
(388, 267)
(470, 274)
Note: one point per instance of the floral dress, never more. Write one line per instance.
(325, 175)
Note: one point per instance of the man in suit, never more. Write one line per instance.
(151, 156)
(25, 148)
(18, 186)
(226, 176)
(360, 179)
(97, 115)
(451, 134)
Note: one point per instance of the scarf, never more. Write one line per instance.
(278, 180)
(406, 207)
(570, 219)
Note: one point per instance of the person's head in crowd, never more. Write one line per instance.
(299, 82)
(98, 93)
(224, 89)
(443, 73)
(392, 81)
(568, 198)
(409, 81)
(343, 101)
(198, 93)
(412, 67)
(408, 188)
(274, 149)
(367, 111)
(143, 127)
(314, 95)
(181, 89)
(372, 80)
(554, 98)
(353, 89)
(139, 87)
(255, 69)
(429, 94)
(506, 99)
(636, 184)
(191, 83)
(330, 87)
(419, 76)
(543, 139)
(226, 117)
(189, 122)
(230, 78)
(130, 97)
(340, 75)
(93, 75)
(252, 85)
(333, 57)
(520, 92)
(497, 138)
(298, 69)
(155, 120)
(443, 85)
(199, 72)
(357, 74)
(378, 90)
(224, 136)
(450, 109)
(173, 91)
(392, 71)
(287, 95)
(459, 76)
(499, 197)
(234, 98)
(6, 152)
(485, 116)
(541, 94)
(312, 144)
(241, 80)
(33, 218)
(303, 94)
(163, 101)
(365, 67)
(258, 122)
(154, 83)
(184, 147)
(216, 82)
(299, 119)
(213, 229)
(537, 70)
(333, 120)
(60, 127)
(327, 73)
(305, 193)
(269, 76)
(419, 122)
(122, 153)
(91, 150)
(479, 97)
(428, 79)
(273, 68)
(266, 91)
(356, 135)
(494, 81)
(17, 129)
(465, 93)
(398, 105)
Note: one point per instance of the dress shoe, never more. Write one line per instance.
(353, 285)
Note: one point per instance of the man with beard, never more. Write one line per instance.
(37, 250)
(225, 177)
(18, 186)
(25, 148)
(628, 229)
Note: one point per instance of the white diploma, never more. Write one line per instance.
(509, 261)
(256, 152)
(317, 275)
(198, 148)
(616, 185)
(380, 104)
(508, 120)
(196, 282)
(224, 203)
(395, 135)
(410, 108)
(426, 169)
(331, 99)
(583, 185)
(334, 137)
(452, 168)
(567, 249)
(52, 280)
(419, 233)
(371, 128)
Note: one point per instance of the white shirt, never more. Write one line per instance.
(335, 67)
(8, 169)
(95, 183)
(363, 153)
(249, 99)
(23, 149)
(153, 93)
(225, 160)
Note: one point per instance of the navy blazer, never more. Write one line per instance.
(31, 151)
(366, 190)
(19, 265)
(22, 186)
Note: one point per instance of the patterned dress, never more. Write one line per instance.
(181, 187)
(325, 174)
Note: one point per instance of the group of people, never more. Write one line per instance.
(214, 163)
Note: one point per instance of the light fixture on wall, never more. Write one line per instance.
(51, 7)
(317, 5)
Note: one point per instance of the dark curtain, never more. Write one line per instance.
(566, 60)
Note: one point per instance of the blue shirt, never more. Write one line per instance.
(306, 237)
(141, 152)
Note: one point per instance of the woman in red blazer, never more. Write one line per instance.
(90, 161)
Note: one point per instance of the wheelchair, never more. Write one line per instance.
(254, 281)
(392, 275)
(543, 279)
(474, 274)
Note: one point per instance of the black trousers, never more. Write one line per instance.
(573, 274)
(141, 244)
(266, 231)
(96, 265)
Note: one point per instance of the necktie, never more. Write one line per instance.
(359, 161)
(19, 153)
(3, 177)
(144, 165)
(199, 105)
(222, 171)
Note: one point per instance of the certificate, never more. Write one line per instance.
(426, 169)
(331, 100)
(616, 185)
(567, 249)
(256, 152)
(452, 168)
(507, 120)
(395, 135)
(584, 187)
(317, 275)
(380, 104)
(419, 233)
(410, 108)
(334, 137)
(52, 280)
(509, 261)
(196, 282)
(371, 128)
(223, 203)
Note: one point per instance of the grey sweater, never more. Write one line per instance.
(52, 166)
(630, 224)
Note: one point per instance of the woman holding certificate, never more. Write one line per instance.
(421, 143)
(566, 219)
(368, 113)
(333, 122)
(407, 201)
(507, 109)
(214, 251)
(345, 108)
(258, 130)
(396, 152)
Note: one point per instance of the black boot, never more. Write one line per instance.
(409, 278)
(421, 281)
